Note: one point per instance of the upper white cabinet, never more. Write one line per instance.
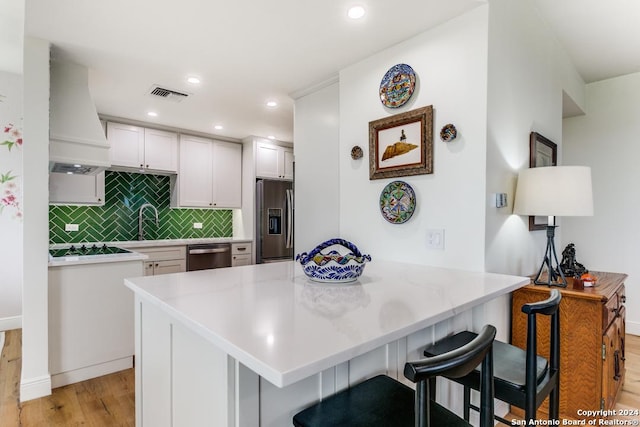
(141, 148)
(274, 161)
(76, 189)
(210, 173)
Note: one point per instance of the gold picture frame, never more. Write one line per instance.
(542, 152)
(401, 145)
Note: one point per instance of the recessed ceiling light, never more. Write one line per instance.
(218, 127)
(271, 137)
(152, 114)
(356, 12)
(193, 80)
(272, 104)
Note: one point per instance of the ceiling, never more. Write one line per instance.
(248, 52)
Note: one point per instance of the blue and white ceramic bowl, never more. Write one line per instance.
(332, 266)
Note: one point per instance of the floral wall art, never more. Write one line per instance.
(10, 195)
(10, 200)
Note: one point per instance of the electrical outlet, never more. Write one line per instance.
(435, 238)
(197, 225)
(71, 227)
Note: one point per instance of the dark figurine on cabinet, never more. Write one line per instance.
(570, 267)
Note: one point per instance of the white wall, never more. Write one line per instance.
(606, 138)
(35, 381)
(10, 201)
(528, 71)
(451, 64)
(317, 180)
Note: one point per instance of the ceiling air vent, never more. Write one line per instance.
(169, 94)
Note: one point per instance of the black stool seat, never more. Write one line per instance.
(508, 361)
(365, 404)
(384, 402)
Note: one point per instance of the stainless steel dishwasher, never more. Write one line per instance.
(208, 255)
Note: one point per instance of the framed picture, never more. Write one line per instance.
(542, 152)
(401, 145)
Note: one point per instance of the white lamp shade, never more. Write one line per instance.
(554, 191)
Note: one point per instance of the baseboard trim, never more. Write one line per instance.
(33, 388)
(9, 323)
(89, 372)
(632, 328)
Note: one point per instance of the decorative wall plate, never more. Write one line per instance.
(397, 86)
(356, 152)
(397, 202)
(448, 133)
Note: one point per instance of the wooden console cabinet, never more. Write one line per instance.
(592, 338)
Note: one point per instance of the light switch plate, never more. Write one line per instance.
(435, 238)
(71, 227)
(197, 225)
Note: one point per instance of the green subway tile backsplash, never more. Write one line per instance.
(117, 220)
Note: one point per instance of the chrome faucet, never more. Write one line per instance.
(140, 221)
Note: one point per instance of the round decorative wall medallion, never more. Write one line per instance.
(397, 202)
(356, 152)
(397, 86)
(448, 133)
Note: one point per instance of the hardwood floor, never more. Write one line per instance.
(105, 401)
(109, 400)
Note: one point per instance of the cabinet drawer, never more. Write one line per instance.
(622, 297)
(240, 248)
(612, 307)
(610, 311)
(163, 253)
(237, 260)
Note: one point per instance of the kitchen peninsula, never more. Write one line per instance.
(252, 345)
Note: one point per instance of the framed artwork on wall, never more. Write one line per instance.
(401, 145)
(542, 152)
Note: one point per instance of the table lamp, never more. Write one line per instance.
(554, 191)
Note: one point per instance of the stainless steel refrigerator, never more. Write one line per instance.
(274, 220)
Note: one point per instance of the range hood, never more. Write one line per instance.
(77, 142)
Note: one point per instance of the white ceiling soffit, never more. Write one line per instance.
(602, 38)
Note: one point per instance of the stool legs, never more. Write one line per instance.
(467, 402)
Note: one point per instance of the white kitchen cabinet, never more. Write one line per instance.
(240, 254)
(91, 320)
(67, 189)
(141, 148)
(210, 173)
(274, 161)
(164, 259)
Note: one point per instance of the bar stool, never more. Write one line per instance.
(382, 401)
(522, 378)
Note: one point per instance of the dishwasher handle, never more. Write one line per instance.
(208, 251)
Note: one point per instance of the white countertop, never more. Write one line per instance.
(283, 326)
(151, 243)
(130, 245)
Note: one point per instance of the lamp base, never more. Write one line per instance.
(555, 276)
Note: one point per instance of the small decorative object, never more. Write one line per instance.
(448, 133)
(356, 152)
(570, 267)
(333, 267)
(588, 280)
(397, 86)
(397, 202)
(401, 145)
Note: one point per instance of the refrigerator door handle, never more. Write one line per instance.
(289, 236)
